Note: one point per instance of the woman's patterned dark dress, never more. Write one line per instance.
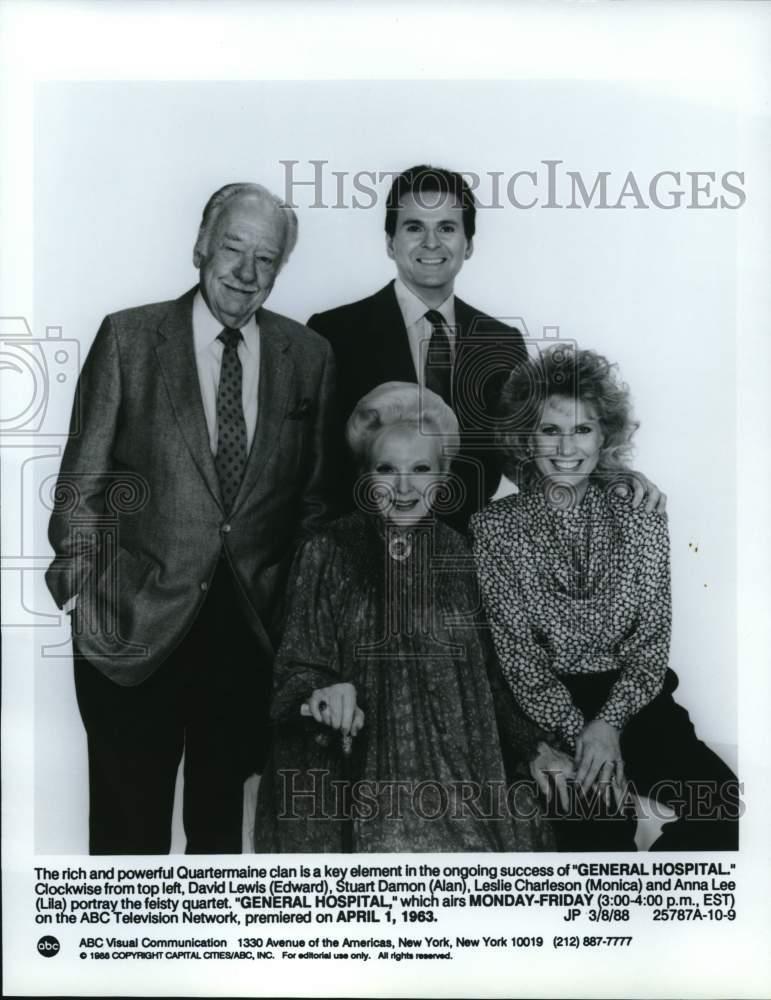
(426, 772)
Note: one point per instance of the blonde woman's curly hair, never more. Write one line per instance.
(576, 375)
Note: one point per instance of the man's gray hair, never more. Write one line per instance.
(219, 200)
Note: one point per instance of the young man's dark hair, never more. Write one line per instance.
(426, 180)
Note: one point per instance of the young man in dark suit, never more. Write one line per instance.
(417, 330)
(199, 459)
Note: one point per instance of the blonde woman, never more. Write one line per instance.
(576, 589)
(385, 735)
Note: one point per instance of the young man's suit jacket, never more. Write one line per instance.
(139, 525)
(371, 346)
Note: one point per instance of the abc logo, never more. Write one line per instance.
(48, 946)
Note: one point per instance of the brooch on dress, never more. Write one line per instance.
(400, 546)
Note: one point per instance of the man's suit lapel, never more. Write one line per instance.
(390, 343)
(276, 368)
(470, 323)
(464, 318)
(176, 359)
(388, 338)
(466, 366)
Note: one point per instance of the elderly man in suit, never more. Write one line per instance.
(417, 330)
(199, 459)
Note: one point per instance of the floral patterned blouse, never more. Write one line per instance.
(584, 590)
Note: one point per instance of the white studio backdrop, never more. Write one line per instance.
(123, 171)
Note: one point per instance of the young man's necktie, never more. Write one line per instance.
(438, 371)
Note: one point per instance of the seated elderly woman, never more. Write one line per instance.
(385, 736)
(576, 588)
